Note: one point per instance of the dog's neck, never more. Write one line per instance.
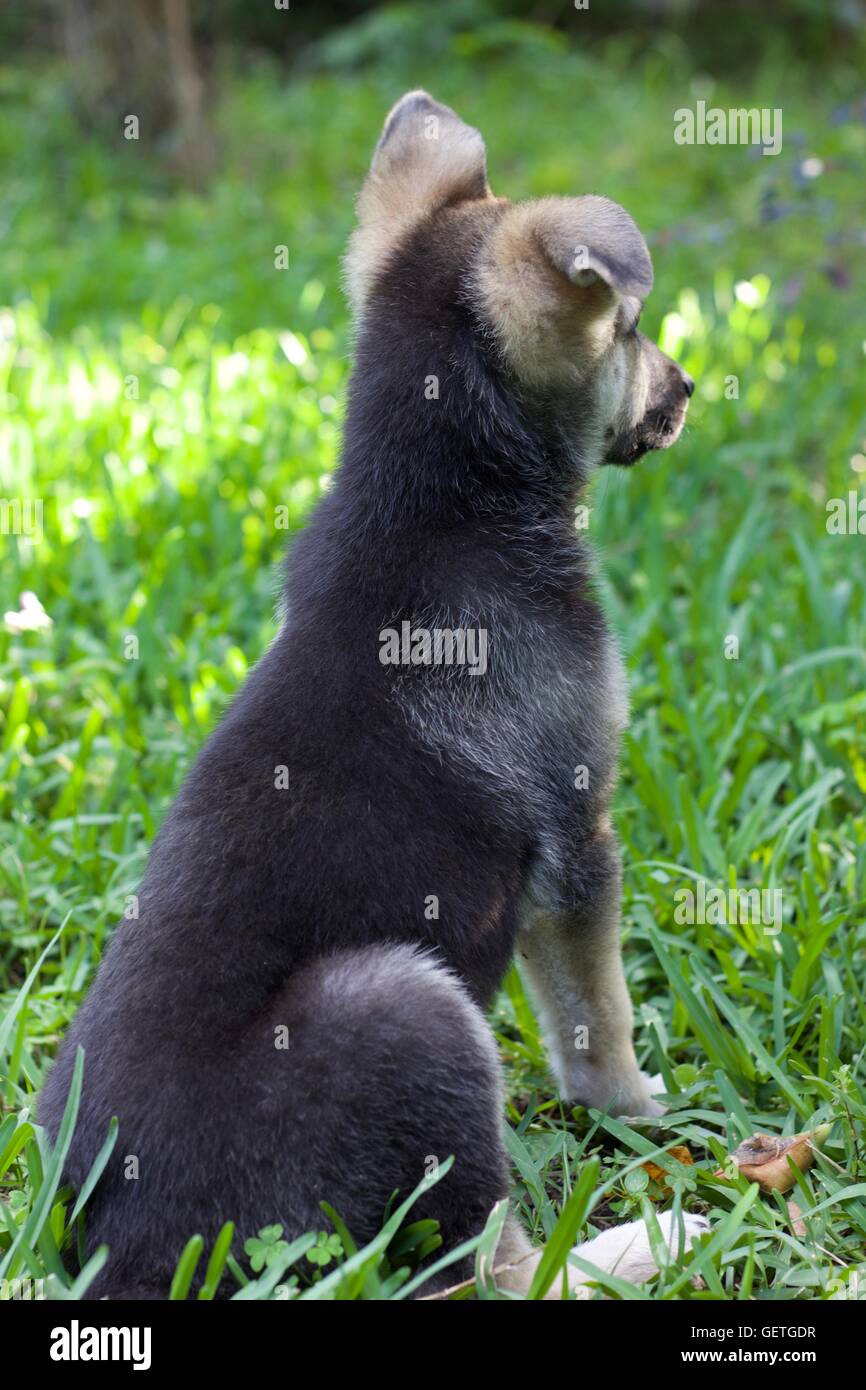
(446, 447)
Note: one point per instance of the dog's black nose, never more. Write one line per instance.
(688, 383)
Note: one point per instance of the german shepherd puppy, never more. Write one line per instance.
(414, 783)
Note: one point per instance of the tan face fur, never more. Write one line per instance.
(557, 282)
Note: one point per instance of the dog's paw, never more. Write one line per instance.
(643, 1104)
(625, 1250)
(629, 1093)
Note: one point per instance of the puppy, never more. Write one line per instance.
(383, 817)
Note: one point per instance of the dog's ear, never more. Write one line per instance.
(552, 278)
(426, 158)
(592, 239)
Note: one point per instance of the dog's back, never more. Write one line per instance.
(337, 886)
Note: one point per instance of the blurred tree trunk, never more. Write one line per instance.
(193, 143)
(140, 58)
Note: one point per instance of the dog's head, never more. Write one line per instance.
(557, 283)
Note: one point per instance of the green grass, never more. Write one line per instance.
(174, 400)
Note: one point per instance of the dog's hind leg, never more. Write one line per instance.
(573, 965)
(360, 1073)
(390, 1069)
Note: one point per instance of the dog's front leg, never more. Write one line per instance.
(572, 963)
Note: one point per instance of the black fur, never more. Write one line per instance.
(305, 907)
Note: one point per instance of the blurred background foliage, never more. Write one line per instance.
(175, 401)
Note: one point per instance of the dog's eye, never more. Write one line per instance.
(630, 318)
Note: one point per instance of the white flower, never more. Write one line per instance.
(31, 618)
